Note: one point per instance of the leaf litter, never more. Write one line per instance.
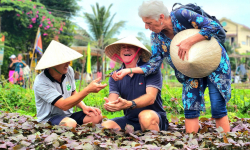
(24, 132)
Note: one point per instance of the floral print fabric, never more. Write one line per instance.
(193, 88)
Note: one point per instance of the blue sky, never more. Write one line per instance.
(127, 10)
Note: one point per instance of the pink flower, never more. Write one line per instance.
(49, 22)
(48, 26)
(45, 34)
(36, 16)
(18, 15)
(44, 17)
(45, 28)
(42, 7)
(37, 12)
(28, 13)
(22, 12)
(33, 19)
(48, 19)
(53, 19)
(41, 25)
(34, 6)
(49, 12)
(60, 29)
(51, 25)
(30, 26)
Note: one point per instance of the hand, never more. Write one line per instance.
(184, 47)
(89, 109)
(94, 87)
(117, 105)
(120, 74)
(107, 101)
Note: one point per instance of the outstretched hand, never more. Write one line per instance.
(95, 87)
(120, 74)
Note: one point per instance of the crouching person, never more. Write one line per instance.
(55, 89)
(137, 95)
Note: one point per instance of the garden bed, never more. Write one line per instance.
(23, 132)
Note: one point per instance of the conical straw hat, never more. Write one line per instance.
(115, 47)
(204, 57)
(56, 54)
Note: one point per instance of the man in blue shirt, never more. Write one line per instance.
(140, 96)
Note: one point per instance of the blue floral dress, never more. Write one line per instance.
(193, 88)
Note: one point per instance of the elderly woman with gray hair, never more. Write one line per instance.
(164, 27)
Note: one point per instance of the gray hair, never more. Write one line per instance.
(153, 9)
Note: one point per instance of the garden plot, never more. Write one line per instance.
(23, 132)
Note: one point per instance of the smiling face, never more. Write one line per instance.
(62, 68)
(152, 24)
(127, 53)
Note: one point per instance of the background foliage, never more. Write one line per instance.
(17, 99)
(21, 19)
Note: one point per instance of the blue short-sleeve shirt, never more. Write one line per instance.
(130, 88)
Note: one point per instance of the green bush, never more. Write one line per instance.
(14, 98)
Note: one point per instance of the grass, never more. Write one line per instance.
(239, 103)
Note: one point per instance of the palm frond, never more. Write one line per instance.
(100, 25)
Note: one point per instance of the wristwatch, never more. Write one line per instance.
(133, 105)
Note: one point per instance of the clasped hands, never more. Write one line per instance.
(116, 105)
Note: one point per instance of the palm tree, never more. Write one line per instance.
(102, 31)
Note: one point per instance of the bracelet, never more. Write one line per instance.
(130, 71)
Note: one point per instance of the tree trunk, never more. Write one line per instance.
(98, 63)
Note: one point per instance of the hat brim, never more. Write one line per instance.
(115, 47)
(56, 54)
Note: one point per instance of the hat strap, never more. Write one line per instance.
(56, 70)
(115, 55)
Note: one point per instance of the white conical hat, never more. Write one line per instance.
(204, 57)
(56, 54)
(115, 47)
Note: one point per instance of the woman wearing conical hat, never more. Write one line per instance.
(55, 89)
(165, 27)
(138, 96)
